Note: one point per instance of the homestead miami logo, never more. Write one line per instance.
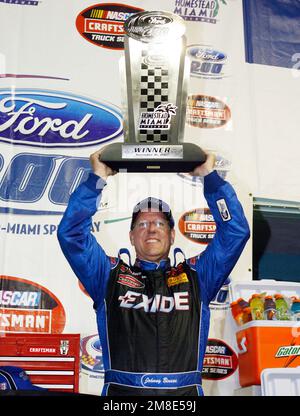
(160, 118)
(198, 10)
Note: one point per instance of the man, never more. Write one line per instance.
(153, 317)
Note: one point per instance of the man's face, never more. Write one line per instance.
(152, 236)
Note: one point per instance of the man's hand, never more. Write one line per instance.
(100, 168)
(207, 167)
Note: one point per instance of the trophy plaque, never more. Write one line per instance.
(155, 73)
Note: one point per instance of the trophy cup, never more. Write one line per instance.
(155, 75)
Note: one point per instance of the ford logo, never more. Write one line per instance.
(206, 54)
(56, 119)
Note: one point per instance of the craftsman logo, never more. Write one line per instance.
(287, 351)
(220, 360)
(157, 303)
(207, 112)
(103, 24)
(130, 281)
(42, 350)
(160, 118)
(28, 307)
(198, 225)
(224, 211)
(56, 119)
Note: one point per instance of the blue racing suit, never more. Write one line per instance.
(153, 319)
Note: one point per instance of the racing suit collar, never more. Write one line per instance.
(149, 265)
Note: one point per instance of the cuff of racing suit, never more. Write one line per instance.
(95, 182)
(212, 182)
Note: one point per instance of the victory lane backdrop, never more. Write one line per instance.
(60, 100)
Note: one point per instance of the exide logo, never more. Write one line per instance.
(54, 119)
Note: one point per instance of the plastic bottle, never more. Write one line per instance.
(282, 308)
(237, 312)
(243, 303)
(269, 309)
(295, 310)
(257, 307)
(247, 316)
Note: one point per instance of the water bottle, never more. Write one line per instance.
(257, 307)
(295, 310)
(282, 308)
(269, 309)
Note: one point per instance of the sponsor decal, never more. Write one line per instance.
(42, 350)
(206, 112)
(64, 347)
(22, 2)
(157, 303)
(127, 280)
(160, 118)
(288, 351)
(176, 280)
(222, 166)
(28, 307)
(206, 63)
(39, 184)
(199, 10)
(103, 24)
(221, 300)
(56, 119)
(223, 209)
(220, 360)
(91, 357)
(198, 225)
(30, 229)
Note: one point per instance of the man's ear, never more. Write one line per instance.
(172, 236)
(131, 238)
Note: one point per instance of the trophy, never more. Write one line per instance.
(155, 73)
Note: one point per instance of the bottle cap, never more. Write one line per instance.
(296, 301)
(268, 297)
(255, 295)
(278, 296)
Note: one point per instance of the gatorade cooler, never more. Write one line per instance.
(265, 344)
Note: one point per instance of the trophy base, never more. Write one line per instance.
(183, 157)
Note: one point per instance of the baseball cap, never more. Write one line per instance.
(15, 378)
(152, 204)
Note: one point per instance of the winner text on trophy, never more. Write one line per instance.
(155, 75)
